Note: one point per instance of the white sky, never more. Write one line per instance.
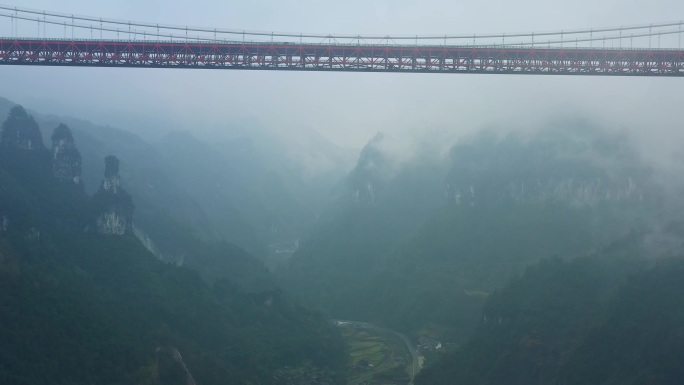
(349, 108)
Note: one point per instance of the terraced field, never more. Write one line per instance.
(377, 357)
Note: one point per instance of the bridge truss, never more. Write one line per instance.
(311, 57)
(155, 46)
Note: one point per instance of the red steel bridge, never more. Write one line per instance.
(53, 39)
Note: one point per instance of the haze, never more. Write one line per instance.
(347, 108)
(159, 226)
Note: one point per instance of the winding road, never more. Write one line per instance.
(409, 346)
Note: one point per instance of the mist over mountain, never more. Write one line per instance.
(582, 321)
(380, 202)
(241, 185)
(86, 300)
(156, 195)
(418, 246)
(247, 187)
(516, 256)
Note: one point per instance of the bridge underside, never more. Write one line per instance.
(311, 57)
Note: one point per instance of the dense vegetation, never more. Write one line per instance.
(92, 309)
(80, 307)
(609, 318)
(442, 276)
(375, 207)
(418, 246)
(545, 258)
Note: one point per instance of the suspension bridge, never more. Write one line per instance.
(42, 38)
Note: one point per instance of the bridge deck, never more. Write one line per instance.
(338, 57)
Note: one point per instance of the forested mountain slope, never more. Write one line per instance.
(609, 318)
(83, 300)
(499, 204)
(382, 201)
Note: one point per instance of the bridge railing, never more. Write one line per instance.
(340, 44)
(637, 37)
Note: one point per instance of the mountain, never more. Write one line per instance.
(258, 187)
(382, 201)
(275, 183)
(420, 247)
(245, 200)
(113, 204)
(509, 202)
(608, 318)
(66, 159)
(163, 205)
(83, 300)
(20, 130)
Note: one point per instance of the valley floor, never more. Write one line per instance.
(378, 355)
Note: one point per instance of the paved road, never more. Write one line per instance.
(409, 345)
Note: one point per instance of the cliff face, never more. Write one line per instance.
(25, 159)
(113, 204)
(66, 159)
(367, 175)
(20, 130)
(554, 167)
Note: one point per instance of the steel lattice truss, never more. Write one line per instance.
(360, 58)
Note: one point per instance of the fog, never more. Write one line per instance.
(320, 121)
(468, 228)
(349, 108)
